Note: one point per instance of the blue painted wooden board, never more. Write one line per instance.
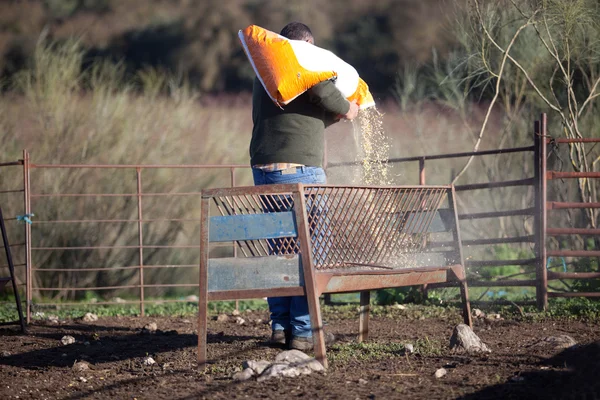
(254, 273)
(252, 227)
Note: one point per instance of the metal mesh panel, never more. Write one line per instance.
(350, 226)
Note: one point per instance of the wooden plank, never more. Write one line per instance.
(254, 273)
(252, 227)
(256, 293)
(368, 281)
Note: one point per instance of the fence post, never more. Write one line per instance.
(232, 172)
(27, 210)
(539, 219)
(424, 290)
(140, 237)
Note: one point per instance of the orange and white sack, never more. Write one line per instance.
(287, 68)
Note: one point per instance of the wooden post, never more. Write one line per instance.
(203, 283)
(363, 319)
(461, 274)
(310, 284)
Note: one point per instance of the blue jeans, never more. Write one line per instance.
(290, 312)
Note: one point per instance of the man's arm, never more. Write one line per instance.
(328, 97)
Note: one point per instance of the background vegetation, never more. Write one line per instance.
(166, 82)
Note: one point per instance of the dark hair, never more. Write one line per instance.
(297, 31)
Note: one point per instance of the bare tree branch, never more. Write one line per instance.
(497, 91)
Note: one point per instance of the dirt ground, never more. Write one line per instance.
(38, 366)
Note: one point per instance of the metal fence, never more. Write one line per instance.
(534, 266)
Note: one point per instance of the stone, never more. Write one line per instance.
(558, 342)
(192, 298)
(67, 340)
(292, 356)
(235, 313)
(82, 379)
(440, 373)
(298, 359)
(279, 369)
(222, 318)
(465, 340)
(151, 327)
(244, 375)
(399, 307)
(409, 348)
(240, 320)
(186, 321)
(257, 366)
(118, 300)
(89, 317)
(53, 319)
(80, 366)
(39, 314)
(477, 313)
(148, 361)
(5, 353)
(362, 381)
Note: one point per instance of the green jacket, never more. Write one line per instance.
(296, 133)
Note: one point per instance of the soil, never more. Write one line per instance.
(521, 364)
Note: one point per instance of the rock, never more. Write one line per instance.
(258, 321)
(235, 313)
(222, 318)
(362, 381)
(5, 353)
(192, 298)
(149, 361)
(494, 316)
(517, 378)
(89, 317)
(64, 355)
(464, 339)
(409, 348)
(118, 300)
(257, 366)
(440, 373)
(67, 340)
(279, 369)
(39, 314)
(240, 320)
(399, 307)
(53, 319)
(80, 366)
(82, 379)
(298, 359)
(477, 313)
(186, 321)
(243, 375)
(558, 342)
(150, 328)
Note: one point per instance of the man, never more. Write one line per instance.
(287, 147)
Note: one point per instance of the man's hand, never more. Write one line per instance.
(352, 112)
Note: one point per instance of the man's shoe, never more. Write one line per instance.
(306, 343)
(280, 338)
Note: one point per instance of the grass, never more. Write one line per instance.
(372, 351)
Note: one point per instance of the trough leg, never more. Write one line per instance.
(363, 321)
(203, 285)
(461, 277)
(310, 281)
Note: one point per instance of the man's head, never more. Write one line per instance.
(298, 31)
